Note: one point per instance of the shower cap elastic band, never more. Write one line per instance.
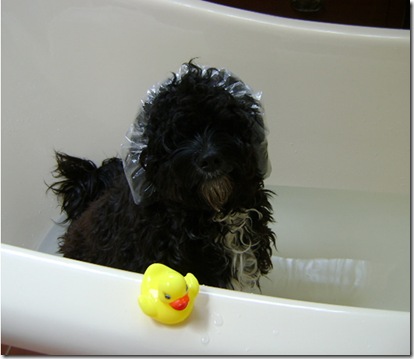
(135, 139)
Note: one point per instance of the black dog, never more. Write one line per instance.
(188, 191)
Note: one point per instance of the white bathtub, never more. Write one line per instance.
(337, 101)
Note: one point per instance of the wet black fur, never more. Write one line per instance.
(196, 133)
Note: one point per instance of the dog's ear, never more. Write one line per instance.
(259, 142)
(263, 160)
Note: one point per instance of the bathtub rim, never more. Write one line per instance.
(35, 256)
(314, 324)
(249, 16)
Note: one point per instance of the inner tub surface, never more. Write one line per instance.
(325, 251)
(337, 107)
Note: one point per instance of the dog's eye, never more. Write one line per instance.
(167, 296)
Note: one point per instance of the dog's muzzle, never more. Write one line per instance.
(216, 192)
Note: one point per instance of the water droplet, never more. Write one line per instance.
(205, 340)
(217, 320)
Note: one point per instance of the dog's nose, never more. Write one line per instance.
(210, 162)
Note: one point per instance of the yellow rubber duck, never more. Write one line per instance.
(166, 295)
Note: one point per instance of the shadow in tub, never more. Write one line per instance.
(334, 281)
(338, 281)
(50, 243)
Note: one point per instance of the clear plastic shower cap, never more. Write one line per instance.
(136, 140)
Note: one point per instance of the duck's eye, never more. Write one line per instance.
(167, 296)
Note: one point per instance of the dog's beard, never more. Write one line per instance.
(216, 192)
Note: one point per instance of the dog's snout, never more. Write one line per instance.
(210, 162)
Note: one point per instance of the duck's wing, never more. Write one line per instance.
(148, 305)
(192, 282)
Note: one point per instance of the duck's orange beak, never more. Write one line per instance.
(181, 303)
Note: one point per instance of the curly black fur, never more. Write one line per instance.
(83, 182)
(207, 211)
